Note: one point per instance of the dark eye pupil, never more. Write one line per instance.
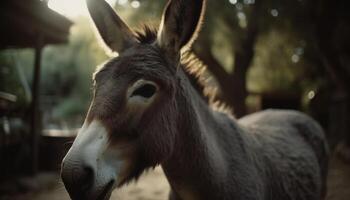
(146, 91)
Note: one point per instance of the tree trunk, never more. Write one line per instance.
(233, 86)
(236, 94)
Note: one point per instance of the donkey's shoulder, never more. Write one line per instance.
(289, 122)
(292, 144)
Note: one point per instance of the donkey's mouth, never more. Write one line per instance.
(107, 191)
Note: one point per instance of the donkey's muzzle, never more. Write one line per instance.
(89, 170)
(78, 179)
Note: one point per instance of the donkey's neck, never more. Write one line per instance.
(200, 161)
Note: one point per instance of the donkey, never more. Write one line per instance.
(147, 111)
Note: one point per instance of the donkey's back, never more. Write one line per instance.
(292, 152)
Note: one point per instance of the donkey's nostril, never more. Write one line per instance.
(78, 179)
(82, 177)
(86, 178)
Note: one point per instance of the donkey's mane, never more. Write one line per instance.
(194, 69)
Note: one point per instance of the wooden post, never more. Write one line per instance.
(35, 107)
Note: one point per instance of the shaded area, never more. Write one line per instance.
(25, 24)
(338, 179)
(154, 186)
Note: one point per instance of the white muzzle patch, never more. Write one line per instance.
(91, 148)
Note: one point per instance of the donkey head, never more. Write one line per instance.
(132, 121)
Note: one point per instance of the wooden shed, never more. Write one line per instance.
(31, 24)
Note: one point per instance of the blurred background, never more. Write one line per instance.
(259, 54)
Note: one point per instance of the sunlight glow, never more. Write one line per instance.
(242, 19)
(135, 4)
(72, 8)
(311, 94)
(232, 1)
(295, 58)
(274, 12)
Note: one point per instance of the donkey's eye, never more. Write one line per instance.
(142, 91)
(147, 91)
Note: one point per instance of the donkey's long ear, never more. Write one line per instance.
(114, 32)
(180, 23)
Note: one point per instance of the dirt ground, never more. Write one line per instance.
(338, 185)
(153, 186)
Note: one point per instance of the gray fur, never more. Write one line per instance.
(269, 155)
